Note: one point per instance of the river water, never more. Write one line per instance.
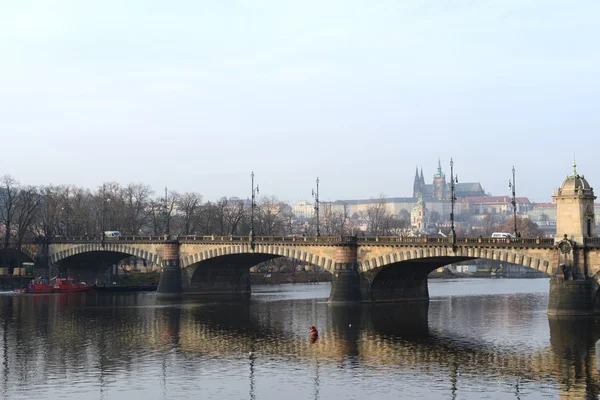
(477, 338)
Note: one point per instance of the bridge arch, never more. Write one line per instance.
(296, 253)
(541, 262)
(13, 257)
(402, 273)
(105, 248)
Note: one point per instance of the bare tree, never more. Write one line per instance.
(156, 209)
(269, 219)
(27, 205)
(8, 199)
(137, 200)
(188, 206)
(335, 222)
(375, 217)
(81, 213)
(234, 215)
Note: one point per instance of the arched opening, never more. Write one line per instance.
(405, 280)
(230, 274)
(100, 267)
(13, 258)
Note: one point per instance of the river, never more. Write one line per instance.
(477, 338)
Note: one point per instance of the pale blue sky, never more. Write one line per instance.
(196, 94)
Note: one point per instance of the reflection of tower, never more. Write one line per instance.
(439, 183)
(572, 342)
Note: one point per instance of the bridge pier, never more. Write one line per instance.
(572, 297)
(346, 282)
(228, 280)
(170, 283)
(400, 283)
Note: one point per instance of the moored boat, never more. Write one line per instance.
(68, 285)
(36, 286)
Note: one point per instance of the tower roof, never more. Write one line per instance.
(575, 184)
(439, 173)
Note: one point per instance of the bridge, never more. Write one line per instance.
(372, 269)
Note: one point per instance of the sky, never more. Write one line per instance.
(195, 95)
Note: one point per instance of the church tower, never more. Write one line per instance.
(439, 183)
(575, 209)
(417, 185)
(418, 215)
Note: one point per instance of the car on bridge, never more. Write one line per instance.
(503, 235)
(112, 234)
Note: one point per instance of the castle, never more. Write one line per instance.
(440, 189)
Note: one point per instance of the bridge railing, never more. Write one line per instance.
(76, 239)
(592, 242)
(510, 241)
(262, 239)
(403, 239)
(366, 240)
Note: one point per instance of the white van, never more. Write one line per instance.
(502, 235)
(112, 234)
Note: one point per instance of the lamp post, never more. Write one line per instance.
(166, 205)
(453, 182)
(316, 196)
(103, 213)
(252, 205)
(511, 185)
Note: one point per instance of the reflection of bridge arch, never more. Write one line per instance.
(260, 251)
(105, 248)
(540, 262)
(14, 257)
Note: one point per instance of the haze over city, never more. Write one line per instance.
(196, 95)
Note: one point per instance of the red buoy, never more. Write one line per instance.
(314, 334)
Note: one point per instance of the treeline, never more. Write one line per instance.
(28, 212)
(31, 211)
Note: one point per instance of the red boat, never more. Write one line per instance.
(37, 286)
(68, 285)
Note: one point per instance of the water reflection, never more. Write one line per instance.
(106, 343)
(573, 341)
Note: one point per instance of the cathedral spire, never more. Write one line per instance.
(422, 178)
(417, 186)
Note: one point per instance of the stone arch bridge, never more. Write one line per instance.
(364, 268)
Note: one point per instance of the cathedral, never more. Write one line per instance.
(440, 189)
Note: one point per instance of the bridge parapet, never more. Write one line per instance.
(326, 240)
(592, 242)
(445, 241)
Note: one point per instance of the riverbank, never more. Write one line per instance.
(276, 278)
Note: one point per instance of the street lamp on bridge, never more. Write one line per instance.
(453, 182)
(511, 185)
(103, 227)
(167, 219)
(316, 196)
(252, 205)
